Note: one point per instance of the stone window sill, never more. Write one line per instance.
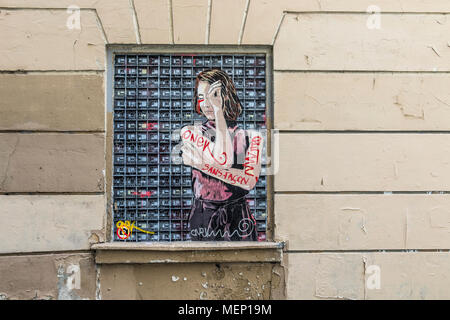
(187, 252)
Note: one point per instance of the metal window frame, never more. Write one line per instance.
(111, 50)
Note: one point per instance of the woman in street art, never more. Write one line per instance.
(225, 161)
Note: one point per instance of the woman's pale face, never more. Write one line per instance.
(204, 101)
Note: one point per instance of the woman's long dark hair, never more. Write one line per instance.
(232, 107)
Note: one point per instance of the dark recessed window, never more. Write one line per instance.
(153, 100)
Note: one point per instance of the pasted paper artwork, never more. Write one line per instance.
(225, 161)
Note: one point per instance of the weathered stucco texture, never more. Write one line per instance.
(322, 42)
(51, 162)
(52, 102)
(363, 162)
(43, 41)
(403, 275)
(369, 222)
(361, 101)
(40, 223)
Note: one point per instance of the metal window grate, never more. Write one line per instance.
(152, 98)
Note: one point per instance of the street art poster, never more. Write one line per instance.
(225, 161)
(188, 148)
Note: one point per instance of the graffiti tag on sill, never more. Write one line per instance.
(125, 229)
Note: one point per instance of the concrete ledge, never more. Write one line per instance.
(187, 252)
(48, 223)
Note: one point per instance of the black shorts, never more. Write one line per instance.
(222, 221)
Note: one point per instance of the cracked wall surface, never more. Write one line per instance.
(202, 281)
(48, 276)
(363, 119)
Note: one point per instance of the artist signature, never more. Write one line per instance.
(245, 229)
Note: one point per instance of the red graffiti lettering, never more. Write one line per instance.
(144, 194)
(228, 176)
(248, 169)
(252, 158)
(203, 143)
(150, 125)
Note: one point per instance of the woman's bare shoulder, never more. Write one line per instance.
(192, 128)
